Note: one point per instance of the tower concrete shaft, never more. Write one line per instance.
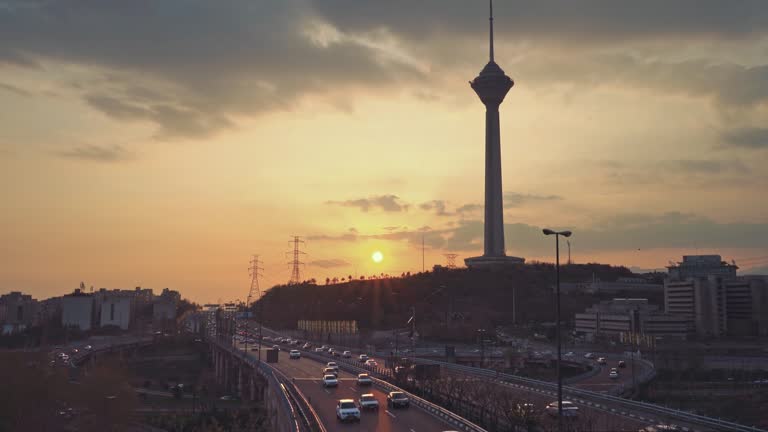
(492, 86)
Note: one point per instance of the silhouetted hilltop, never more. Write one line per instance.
(465, 298)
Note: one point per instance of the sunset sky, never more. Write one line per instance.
(161, 143)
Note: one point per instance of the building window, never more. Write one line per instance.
(112, 312)
(19, 313)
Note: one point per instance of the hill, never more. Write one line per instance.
(446, 301)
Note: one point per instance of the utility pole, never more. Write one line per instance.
(255, 271)
(569, 252)
(296, 263)
(422, 253)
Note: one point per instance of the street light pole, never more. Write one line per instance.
(557, 235)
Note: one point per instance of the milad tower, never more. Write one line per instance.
(491, 87)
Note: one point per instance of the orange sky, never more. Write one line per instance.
(167, 162)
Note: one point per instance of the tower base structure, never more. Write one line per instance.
(493, 262)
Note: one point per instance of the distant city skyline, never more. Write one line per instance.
(167, 160)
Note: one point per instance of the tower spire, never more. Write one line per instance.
(490, 20)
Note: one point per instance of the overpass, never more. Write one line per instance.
(610, 410)
(315, 406)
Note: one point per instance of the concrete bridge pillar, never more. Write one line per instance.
(252, 385)
(240, 381)
(226, 364)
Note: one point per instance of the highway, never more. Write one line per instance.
(307, 374)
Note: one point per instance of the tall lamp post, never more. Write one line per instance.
(557, 235)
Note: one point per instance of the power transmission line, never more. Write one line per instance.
(254, 270)
(296, 263)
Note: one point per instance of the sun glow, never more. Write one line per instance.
(377, 257)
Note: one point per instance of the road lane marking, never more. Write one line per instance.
(353, 389)
(390, 414)
(326, 390)
(412, 430)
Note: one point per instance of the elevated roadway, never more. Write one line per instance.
(306, 375)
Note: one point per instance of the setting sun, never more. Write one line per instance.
(377, 257)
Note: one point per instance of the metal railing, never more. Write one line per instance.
(599, 400)
(303, 417)
(437, 411)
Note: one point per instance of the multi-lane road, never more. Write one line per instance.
(306, 375)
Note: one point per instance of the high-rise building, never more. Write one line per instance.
(717, 302)
(491, 86)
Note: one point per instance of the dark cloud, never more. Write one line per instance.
(113, 153)
(387, 203)
(329, 263)
(726, 83)
(620, 232)
(193, 67)
(203, 63)
(561, 20)
(746, 138)
(514, 199)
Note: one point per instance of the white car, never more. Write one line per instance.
(347, 410)
(371, 362)
(589, 356)
(346, 354)
(294, 354)
(362, 357)
(613, 375)
(602, 360)
(368, 401)
(332, 365)
(330, 381)
(364, 379)
(318, 350)
(569, 354)
(569, 409)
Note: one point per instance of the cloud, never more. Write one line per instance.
(202, 65)
(329, 263)
(514, 199)
(468, 208)
(14, 89)
(746, 138)
(387, 203)
(94, 153)
(561, 20)
(620, 232)
(340, 237)
(728, 84)
(439, 206)
(708, 166)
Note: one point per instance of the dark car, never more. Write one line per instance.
(398, 399)
(622, 364)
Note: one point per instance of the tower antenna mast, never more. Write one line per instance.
(490, 20)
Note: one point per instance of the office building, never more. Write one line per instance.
(17, 312)
(77, 310)
(717, 302)
(611, 318)
(117, 309)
